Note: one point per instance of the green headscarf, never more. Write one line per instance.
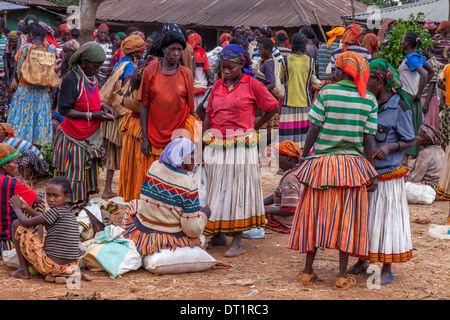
(383, 69)
(121, 35)
(90, 51)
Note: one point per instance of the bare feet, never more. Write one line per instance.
(20, 273)
(234, 251)
(108, 194)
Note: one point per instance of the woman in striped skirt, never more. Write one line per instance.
(78, 152)
(333, 209)
(296, 71)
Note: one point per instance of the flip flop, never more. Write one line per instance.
(344, 283)
(231, 253)
(357, 270)
(388, 280)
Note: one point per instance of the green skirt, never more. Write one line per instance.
(417, 121)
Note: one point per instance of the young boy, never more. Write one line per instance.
(58, 253)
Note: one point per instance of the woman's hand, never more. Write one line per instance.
(381, 152)
(146, 147)
(108, 110)
(16, 203)
(417, 98)
(102, 116)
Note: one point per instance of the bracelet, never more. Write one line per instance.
(399, 147)
(88, 115)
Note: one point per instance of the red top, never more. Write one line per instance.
(80, 129)
(170, 99)
(236, 109)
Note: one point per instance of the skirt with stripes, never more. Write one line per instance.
(150, 241)
(78, 165)
(333, 209)
(444, 178)
(389, 227)
(112, 142)
(234, 192)
(293, 124)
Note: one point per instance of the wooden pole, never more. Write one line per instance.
(320, 26)
(353, 11)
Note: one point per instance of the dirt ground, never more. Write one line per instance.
(267, 270)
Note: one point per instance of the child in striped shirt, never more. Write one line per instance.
(59, 252)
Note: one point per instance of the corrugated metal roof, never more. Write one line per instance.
(42, 3)
(436, 10)
(229, 13)
(7, 6)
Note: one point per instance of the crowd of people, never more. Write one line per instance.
(347, 128)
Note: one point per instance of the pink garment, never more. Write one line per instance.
(432, 116)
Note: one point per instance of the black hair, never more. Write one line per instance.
(266, 43)
(62, 181)
(172, 37)
(76, 33)
(131, 29)
(241, 41)
(29, 19)
(298, 42)
(37, 31)
(281, 37)
(413, 39)
(308, 32)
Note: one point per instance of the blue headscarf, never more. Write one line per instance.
(235, 53)
(176, 152)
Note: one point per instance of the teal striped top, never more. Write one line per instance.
(344, 117)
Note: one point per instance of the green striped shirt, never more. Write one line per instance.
(344, 117)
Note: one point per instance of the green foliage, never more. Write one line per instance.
(393, 52)
(47, 152)
(385, 3)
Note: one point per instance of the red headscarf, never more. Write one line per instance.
(62, 28)
(370, 41)
(355, 65)
(194, 39)
(350, 36)
(289, 148)
(225, 37)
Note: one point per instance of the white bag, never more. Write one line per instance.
(417, 193)
(439, 232)
(278, 91)
(200, 176)
(180, 260)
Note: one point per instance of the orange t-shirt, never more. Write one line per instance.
(170, 99)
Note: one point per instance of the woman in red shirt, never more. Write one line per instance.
(78, 150)
(231, 154)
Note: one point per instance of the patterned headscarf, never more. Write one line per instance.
(355, 65)
(47, 28)
(333, 34)
(225, 43)
(171, 26)
(132, 44)
(235, 53)
(62, 28)
(383, 69)
(102, 26)
(6, 130)
(265, 29)
(138, 33)
(433, 135)
(289, 148)
(13, 34)
(239, 28)
(370, 41)
(249, 34)
(194, 39)
(176, 152)
(7, 153)
(121, 35)
(225, 37)
(350, 36)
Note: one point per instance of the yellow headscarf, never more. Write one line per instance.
(333, 34)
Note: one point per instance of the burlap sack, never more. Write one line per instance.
(107, 92)
(38, 69)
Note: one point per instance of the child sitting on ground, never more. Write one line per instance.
(58, 253)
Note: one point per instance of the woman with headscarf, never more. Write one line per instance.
(30, 110)
(133, 48)
(282, 43)
(389, 234)
(9, 170)
(296, 72)
(118, 54)
(167, 215)
(231, 153)
(202, 77)
(427, 167)
(166, 95)
(78, 152)
(351, 41)
(442, 37)
(415, 73)
(280, 206)
(64, 33)
(102, 38)
(261, 32)
(333, 209)
(370, 42)
(32, 164)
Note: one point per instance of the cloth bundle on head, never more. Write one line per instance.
(333, 34)
(225, 37)
(383, 69)
(8, 153)
(72, 45)
(121, 35)
(132, 44)
(289, 148)
(350, 36)
(176, 152)
(90, 51)
(433, 135)
(6, 130)
(355, 65)
(370, 41)
(235, 53)
(62, 28)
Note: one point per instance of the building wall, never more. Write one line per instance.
(13, 18)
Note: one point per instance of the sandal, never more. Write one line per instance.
(307, 279)
(388, 280)
(357, 269)
(231, 253)
(344, 283)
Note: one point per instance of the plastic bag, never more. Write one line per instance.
(417, 193)
(180, 260)
(111, 252)
(10, 258)
(439, 232)
(200, 177)
(255, 233)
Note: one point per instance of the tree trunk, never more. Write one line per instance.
(88, 12)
